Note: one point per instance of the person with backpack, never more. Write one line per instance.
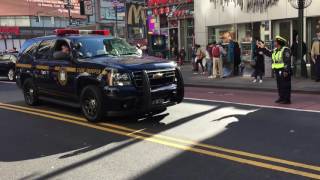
(217, 61)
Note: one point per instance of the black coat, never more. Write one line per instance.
(259, 57)
(294, 49)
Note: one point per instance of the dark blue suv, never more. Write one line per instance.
(100, 74)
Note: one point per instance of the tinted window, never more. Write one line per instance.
(29, 53)
(44, 49)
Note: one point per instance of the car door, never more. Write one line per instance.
(42, 66)
(63, 72)
(4, 64)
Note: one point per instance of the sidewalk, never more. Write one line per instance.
(269, 84)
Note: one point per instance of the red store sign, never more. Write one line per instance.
(165, 2)
(9, 30)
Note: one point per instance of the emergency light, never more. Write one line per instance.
(62, 32)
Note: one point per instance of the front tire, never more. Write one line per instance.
(11, 75)
(92, 103)
(30, 92)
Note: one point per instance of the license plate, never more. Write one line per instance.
(158, 101)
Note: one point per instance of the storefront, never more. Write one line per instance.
(214, 22)
(243, 35)
(171, 20)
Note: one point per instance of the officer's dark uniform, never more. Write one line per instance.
(281, 64)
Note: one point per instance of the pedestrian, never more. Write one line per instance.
(182, 56)
(294, 53)
(281, 64)
(237, 59)
(217, 51)
(259, 62)
(315, 55)
(194, 58)
(200, 56)
(209, 63)
(139, 50)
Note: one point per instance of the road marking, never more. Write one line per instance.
(163, 142)
(253, 105)
(179, 140)
(7, 82)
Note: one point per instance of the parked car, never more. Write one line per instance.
(7, 66)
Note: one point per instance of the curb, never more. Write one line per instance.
(248, 89)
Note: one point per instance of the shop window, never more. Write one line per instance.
(23, 21)
(7, 21)
(163, 21)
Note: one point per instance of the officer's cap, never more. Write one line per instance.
(279, 38)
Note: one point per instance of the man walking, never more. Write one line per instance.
(281, 64)
(315, 55)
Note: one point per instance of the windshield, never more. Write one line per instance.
(96, 47)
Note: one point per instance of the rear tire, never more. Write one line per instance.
(11, 75)
(92, 103)
(30, 92)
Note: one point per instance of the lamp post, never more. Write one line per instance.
(115, 6)
(300, 5)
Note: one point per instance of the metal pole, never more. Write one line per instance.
(116, 12)
(300, 39)
(69, 12)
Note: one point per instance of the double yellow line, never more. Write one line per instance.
(186, 145)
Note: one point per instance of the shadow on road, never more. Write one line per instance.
(29, 137)
(278, 133)
(274, 132)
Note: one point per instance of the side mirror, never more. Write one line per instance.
(77, 45)
(61, 56)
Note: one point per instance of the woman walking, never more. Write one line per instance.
(259, 62)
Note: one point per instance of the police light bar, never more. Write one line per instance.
(62, 32)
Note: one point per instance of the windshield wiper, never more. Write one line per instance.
(99, 55)
(129, 53)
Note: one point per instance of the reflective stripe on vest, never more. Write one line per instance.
(277, 59)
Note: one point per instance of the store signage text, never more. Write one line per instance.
(9, 30)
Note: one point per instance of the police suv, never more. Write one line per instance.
(100, 74)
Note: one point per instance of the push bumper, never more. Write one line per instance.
(130, 100)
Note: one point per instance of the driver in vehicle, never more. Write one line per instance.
(65, 49)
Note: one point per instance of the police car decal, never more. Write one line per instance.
(62, 77)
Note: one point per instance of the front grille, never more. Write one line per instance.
(157, 78)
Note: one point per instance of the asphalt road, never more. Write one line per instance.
(211, 135)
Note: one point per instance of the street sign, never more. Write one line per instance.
(69, 6)
(88, 9)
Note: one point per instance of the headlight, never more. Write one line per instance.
(115, 78)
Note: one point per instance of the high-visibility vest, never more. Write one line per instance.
(277, 59)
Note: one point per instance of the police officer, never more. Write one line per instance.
(281, 64)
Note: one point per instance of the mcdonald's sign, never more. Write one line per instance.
(136, 14)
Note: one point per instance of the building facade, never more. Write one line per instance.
(173, 20)
(24, 19)
(230, 22)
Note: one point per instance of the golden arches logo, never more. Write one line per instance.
(135, 14)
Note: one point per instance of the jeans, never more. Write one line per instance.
(209, 66)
